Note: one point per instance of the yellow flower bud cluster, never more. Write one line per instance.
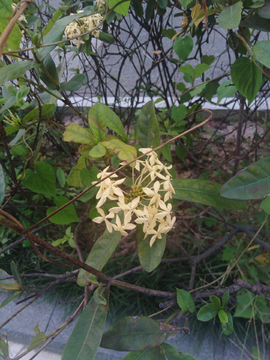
(146, 203)
(81, 26)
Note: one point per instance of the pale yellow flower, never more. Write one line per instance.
(104, 217)
(123, 227)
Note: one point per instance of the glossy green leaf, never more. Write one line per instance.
(162, 3)
(42, 181)
(200, 69)
(98, 296)
(203, 192)
(150, 257)
(74, 83)
(185, 300)
(74, 177)
(225, 298)
(84, 341)
(105, 37)
(57, 31)
(228, 327)
(178, 112)
(10, 287)
(215, 301)
(186, 3)
(245, 307)
(183, 47)
(207, 59)
(78, 134)
(65, 216)
(146, 129)
(101, 116)
(15, 70)
(223, 317)
(98, 151)
(37, 340)
(249, 85)
(256, 22)
(14, 39)
(154, 353)
(2, 185)
(99, 255)
(4, 274)
(120, 9)
(125, 152)
(225, 90)
(265, 204)
(264, 11)
(15, 272)
(3, 348)
(133, 333)
(207, 312)
(49, 65)
(251, 183)
(136, 4)
(166, 152)
(172, 353)
(261, 52)
(61, 176)
(230, 16)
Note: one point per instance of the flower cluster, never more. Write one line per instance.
(81, 26)
(146, 203)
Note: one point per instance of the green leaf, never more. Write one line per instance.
(185, 300)
(150, 257)
(265, 204)
(183, 47)
(101, 252)
(98, 151)
(244, 307)
(14, 71)
(223, 317)
(261, 52)
(84, 341)
(37, 340)
(146, 129)
(172, 353)
(256, 22)
(228, 327)
(225, 298)
(249, 85)
(207, 59)
(10, 298)
(49, 65)
(4, 274)
(166, 152)
(100, 116)
(74, 83)
(47, 110)
(186, 69)
(2, 185)
(203, 192)
(124, 151)
(42, 181)
(225, 90)
(138, 8)
(264, 11)
(207, 312)
(98, 296)
(133, 333)
(251, 183)
(120, 9)
(178, 112)
(57, 31)
(61, 177)
(186, 3)
(230, 16)
(16, 273)
(63, 217)
(78, 134)
(15, 37)
(200, 69)
(215, 301)
(162, 3)
(154, 353)
(3, 348)
(151, 5)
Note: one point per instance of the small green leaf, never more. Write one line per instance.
(154, 353)
(185, 300)
(37, 340)
(249, 85)
(223, 317)
(225, 298)
(84, 341)
(133, 333)
(264, 11)
(15, 272)
(98, 297)
(125, 152)
(215, 301)
(100, 254)
(3, 347)
(47, 110)
(186, 3)
(245, 305)
(183, 47)
(207, 59)
(42, 181)
(65, 216)
(150, 257)
(10, 298)
(162, 3)
(200, 69)
(49, 65)
(120, 9)
(61, 177)
(76, 133)
(203, 192)
(146, 129)
(230, 16)
(207, 312)
(251, 183)
(178, 112)
(225, 90)
(74, 83)
(265, 204)
(172, 353)
(2, 185)
(228, 327)
(98, 151)
(261, 52)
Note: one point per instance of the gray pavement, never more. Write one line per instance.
(20, 330)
